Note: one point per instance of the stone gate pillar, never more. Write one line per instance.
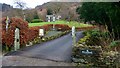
(74, 35)
(17, 39)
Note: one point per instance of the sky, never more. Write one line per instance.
(34, 3)
(29, 3)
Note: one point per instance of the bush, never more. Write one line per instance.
(86, 59)
(99, 41)
(34, 32)
(36, 21)
(62, 27)
(45, 39)
(98, 37)
(115, 45)
(85, 28)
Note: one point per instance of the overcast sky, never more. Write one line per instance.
(34, 3)
(29, 3)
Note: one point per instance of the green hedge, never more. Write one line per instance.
(36, 21)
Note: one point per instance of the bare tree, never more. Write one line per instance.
(22, 5)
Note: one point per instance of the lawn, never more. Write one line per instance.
(72, 23)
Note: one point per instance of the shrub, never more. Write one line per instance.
(34, 32)
(46, 27)
(96, 38)
(62, 27)
(85, 28)
(36, 21)
(115, 45)
(98, 41)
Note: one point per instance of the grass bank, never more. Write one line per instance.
(70, 24)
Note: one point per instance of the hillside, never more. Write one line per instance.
(65, 9)
(5, 7)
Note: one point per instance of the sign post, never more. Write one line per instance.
(74, 35)
(17, 40)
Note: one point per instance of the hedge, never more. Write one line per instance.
(8, 36)
(36, 21)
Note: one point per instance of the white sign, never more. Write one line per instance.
(41, 32)
(87, 52)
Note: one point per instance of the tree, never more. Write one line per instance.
(22, 6)
(29, 14)
(49, 12)
(36, 15)
(57, 8)
(103, 14)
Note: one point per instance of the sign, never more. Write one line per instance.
(41, 32)
(87, 52)
(17, 39)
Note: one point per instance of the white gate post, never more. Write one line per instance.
(53, 19)
(74, 35)
(17, 40)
